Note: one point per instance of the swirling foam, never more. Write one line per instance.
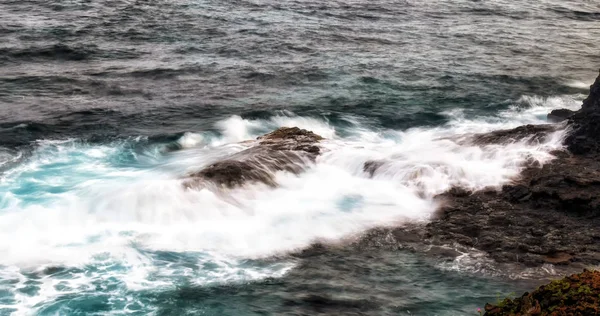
(91, 208)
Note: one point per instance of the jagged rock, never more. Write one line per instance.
(585, 138)
(560, 115)
(578, 294)
(530, 133)
(550, 214)
(285, 149)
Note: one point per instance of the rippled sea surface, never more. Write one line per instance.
(95, 96)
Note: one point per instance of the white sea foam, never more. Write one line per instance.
(71, 205)
(189, 140)
(578, 84)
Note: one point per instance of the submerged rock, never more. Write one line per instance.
(285, 149)
(371, 166)
(578, 294)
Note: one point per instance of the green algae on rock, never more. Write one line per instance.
(578, 294)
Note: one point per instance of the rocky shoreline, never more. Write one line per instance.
(549, 215)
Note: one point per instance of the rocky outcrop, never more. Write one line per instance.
(560, 115)
(285, 149)
(578, 294)
(550, 214)
(530, 133)
(585, 138)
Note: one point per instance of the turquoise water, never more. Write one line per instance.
(108, 228)
(106, 105)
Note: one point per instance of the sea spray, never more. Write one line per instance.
(110, 214)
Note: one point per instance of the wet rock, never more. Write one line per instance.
(560, 115)
(406, 236)
(294, 134)
(550, 214)
(53, 270)
(551, 209)
(288, 149)
(233, 173)
(585, 137)
(528, 133)
(516, 192)
(371, 166)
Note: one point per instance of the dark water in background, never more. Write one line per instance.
(156, 67)
(105, 72)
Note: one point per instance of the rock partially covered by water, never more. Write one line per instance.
(560, 115)
(529, 133)
(291, 133)
(288, 149)
(550, 214)
(578, 294)
(585, 138)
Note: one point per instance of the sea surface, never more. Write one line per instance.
(106, 104)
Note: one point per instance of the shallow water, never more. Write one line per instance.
(95, 97)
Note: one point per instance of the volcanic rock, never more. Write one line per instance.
(585, 138)
(560, 115)
(530, 133)
(549, 215)
(578, 294)
(285, 149)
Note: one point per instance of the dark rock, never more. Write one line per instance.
(560, 115)
(233, 173)
(528, 133)
(53, 270)
(406, 236)
(585, 137)
(291, 133)
(516, 192)
(459, 192)
(592, 102)
(316, 249)
(285, 149)
(550, 214)
(557, 206)
(372, 166)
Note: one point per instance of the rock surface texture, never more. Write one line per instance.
(560, 115)
(551, 214)
(285, 149)
(578, 294)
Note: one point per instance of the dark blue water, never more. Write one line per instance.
(96, 95)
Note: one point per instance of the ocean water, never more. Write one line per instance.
(106, 105)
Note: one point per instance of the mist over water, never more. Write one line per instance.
(105, 106)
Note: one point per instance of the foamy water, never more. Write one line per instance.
(119, 220)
